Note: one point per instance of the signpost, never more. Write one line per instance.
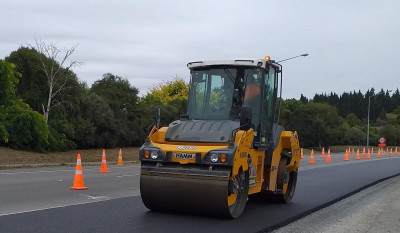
(381, 141)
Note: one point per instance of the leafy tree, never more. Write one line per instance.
(352, 120)
(354, 136)
(32, 85)
(287, 108)
(303, 99)
(8, 80)
(98, 112)
(165, 92)
(171, 96)
(20, 126)
(391, 133)
(33, 88)
(317, 124)
(123, 102)
(27, 129)
(397, 110)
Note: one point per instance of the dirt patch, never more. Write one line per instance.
(17, 157)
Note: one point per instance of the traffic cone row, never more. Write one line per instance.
(366, 154)
(78, 180)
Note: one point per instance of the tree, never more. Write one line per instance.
(317, 124)
(303, 99)
(123, 101)
(287, 108)
(20, 126)
(397, 110)
(354, 136)
(165, 92)
(27, 128)
(8, 81)
(352, 120)
(56, 71)
(392, 134)
(32, 86)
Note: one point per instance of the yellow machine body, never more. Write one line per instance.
(211, 166)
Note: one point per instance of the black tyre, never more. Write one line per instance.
(286, 182)
(237, 195)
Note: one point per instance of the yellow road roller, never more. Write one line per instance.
(228, 146)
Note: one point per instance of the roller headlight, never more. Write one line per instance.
(151, 153)
(154, 154)
(214, 157)
(222, 157)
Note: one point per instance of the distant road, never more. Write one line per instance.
(40, 200)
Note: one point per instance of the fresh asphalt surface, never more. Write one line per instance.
(40, 200)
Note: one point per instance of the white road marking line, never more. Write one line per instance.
(62, 170)
(32, 172)
(62, 206)
(90, 197)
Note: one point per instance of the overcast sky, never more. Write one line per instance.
(353, 45)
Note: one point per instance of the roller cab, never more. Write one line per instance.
(227, 147)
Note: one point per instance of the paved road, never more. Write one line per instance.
(24, 190)
(27, 190)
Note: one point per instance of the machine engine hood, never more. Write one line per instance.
(201, 131)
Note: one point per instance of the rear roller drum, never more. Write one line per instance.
(286, 182)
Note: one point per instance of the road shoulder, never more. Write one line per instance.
(375, 209)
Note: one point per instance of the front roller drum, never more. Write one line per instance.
(191, 192)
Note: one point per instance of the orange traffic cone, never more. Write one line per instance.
(358, 154)
(120, 157)
(391, 153)
(323, 153)
(378, 155)
(103, 168)
(78, 181)
(387, 149)
(363, 154)
(369, 154)
(328, 158)
(311, 157)
(346, 156)
(353, 151)
(395, 150)
(372, 150)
